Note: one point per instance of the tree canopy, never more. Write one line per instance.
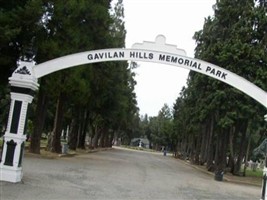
(89, 103)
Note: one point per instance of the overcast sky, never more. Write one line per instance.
(177, 20)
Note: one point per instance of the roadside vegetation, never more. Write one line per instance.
(211, 123)
(93, 103)
(256, 173)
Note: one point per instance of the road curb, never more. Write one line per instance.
(51, 155)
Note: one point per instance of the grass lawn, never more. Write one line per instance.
(257, 173)
(251, 173)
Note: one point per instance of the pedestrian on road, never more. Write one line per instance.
(164, 151)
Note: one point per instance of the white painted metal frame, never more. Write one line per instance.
(157, 50)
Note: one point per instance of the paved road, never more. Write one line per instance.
(119, 174)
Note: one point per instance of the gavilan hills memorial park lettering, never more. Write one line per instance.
(159, 58)
(24, 82)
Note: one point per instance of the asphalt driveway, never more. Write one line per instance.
(119, 174)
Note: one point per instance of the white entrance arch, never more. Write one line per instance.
(157, 52)
(24, 81)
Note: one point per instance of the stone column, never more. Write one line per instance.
(23, 84)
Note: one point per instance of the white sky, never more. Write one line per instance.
(177, 20)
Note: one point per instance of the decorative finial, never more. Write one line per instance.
(159, 45)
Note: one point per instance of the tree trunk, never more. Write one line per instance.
(221, 150)
(111, 139)
(247, 153)
(56, 143)
(225, 147)
(217, 149)
(91, 140)
(242, 129)
(39, 120)
(198, 147)
(83, 129)
(231, 150)
(106, 139)
(204, 141)
(103, 137)
(95, 138)
(73, 134)
(210, 146)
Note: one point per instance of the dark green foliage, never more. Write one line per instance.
(216, 120)
(94, 100)
(159, 130)
(19, 24)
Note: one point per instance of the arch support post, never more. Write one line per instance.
(23, 86)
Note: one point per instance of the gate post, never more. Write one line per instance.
(23, 84)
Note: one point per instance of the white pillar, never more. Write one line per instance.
(23, 84)
(264, 185)
(264, 180)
